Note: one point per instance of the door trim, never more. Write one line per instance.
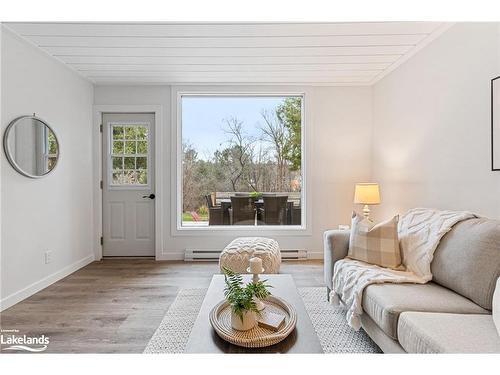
(98, 110)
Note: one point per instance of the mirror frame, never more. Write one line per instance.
(7, 149)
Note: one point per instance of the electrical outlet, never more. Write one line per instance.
(48, 257)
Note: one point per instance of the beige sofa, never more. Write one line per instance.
(451, 314)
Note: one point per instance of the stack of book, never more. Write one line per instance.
(271, 321)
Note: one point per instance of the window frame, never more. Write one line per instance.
(46, 147)
(177, 227)
(112, 186)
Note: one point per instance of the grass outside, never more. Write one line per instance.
(186, 216)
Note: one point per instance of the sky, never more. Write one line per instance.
(202, 119)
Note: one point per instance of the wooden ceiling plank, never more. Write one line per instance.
(270, 81)
(229, 52)
(228, 43)
(230, 67)
(235, 75)
(238, 60)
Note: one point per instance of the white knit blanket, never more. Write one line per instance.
(420, 231)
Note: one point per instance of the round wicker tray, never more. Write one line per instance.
(258, 337)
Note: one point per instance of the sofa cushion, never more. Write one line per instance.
(467, 260)
(376, 244)
(384, 302)
(447, 333)
(496, 306)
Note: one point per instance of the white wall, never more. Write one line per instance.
(431, 126)
(338, 143)
(53, 213)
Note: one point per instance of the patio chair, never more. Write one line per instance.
(242, 211)
(215, 213)
(268, 195)
(275, 210)
(296, 215)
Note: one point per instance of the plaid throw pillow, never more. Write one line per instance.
(375, 244)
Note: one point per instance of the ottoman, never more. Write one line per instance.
(237, 254)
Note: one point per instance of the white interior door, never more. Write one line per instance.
(128, 184)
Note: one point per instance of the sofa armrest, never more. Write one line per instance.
(336, 245)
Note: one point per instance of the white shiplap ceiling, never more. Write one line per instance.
(231, 53)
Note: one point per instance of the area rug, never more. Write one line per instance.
(329, 322)
(331, 326)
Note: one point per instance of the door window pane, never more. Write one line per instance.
(142, 147)
(141, 162)
(117, 177)
(129, 162)
(117, 132)
(143, 177)
(118, 147)
(142, 132)
(130, 147)
(117, 163)
(129, 154)
(131, 177)
(130, 132)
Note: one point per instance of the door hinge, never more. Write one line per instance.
(100, 184)
(102, 241)
(100, 128)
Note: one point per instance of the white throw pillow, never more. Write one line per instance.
(376, 244)
(496, 306)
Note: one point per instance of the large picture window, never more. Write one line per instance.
(242, 160)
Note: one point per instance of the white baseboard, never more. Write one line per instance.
(315, 255)
(24, 293)
(180, 255)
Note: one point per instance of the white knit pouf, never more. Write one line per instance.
(237, 254)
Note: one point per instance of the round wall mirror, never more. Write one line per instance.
(31, 146)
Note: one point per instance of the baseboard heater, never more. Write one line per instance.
(205, 255)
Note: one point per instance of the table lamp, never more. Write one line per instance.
(366, 193)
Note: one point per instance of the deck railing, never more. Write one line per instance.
(293, 196)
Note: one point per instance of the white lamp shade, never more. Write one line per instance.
(367, 193)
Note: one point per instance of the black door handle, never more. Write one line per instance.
(150, 196)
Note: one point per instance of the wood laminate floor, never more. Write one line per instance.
(115, 306)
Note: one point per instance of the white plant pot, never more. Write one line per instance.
(249, 321)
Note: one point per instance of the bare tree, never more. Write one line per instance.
(275, 132)
(189, 160)
(258, 168)
(239, 156)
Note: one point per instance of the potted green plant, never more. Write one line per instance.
(255, 195)
(244, 310)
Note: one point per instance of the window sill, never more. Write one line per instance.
(242, 230)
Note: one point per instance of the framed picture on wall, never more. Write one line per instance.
(495, 124)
